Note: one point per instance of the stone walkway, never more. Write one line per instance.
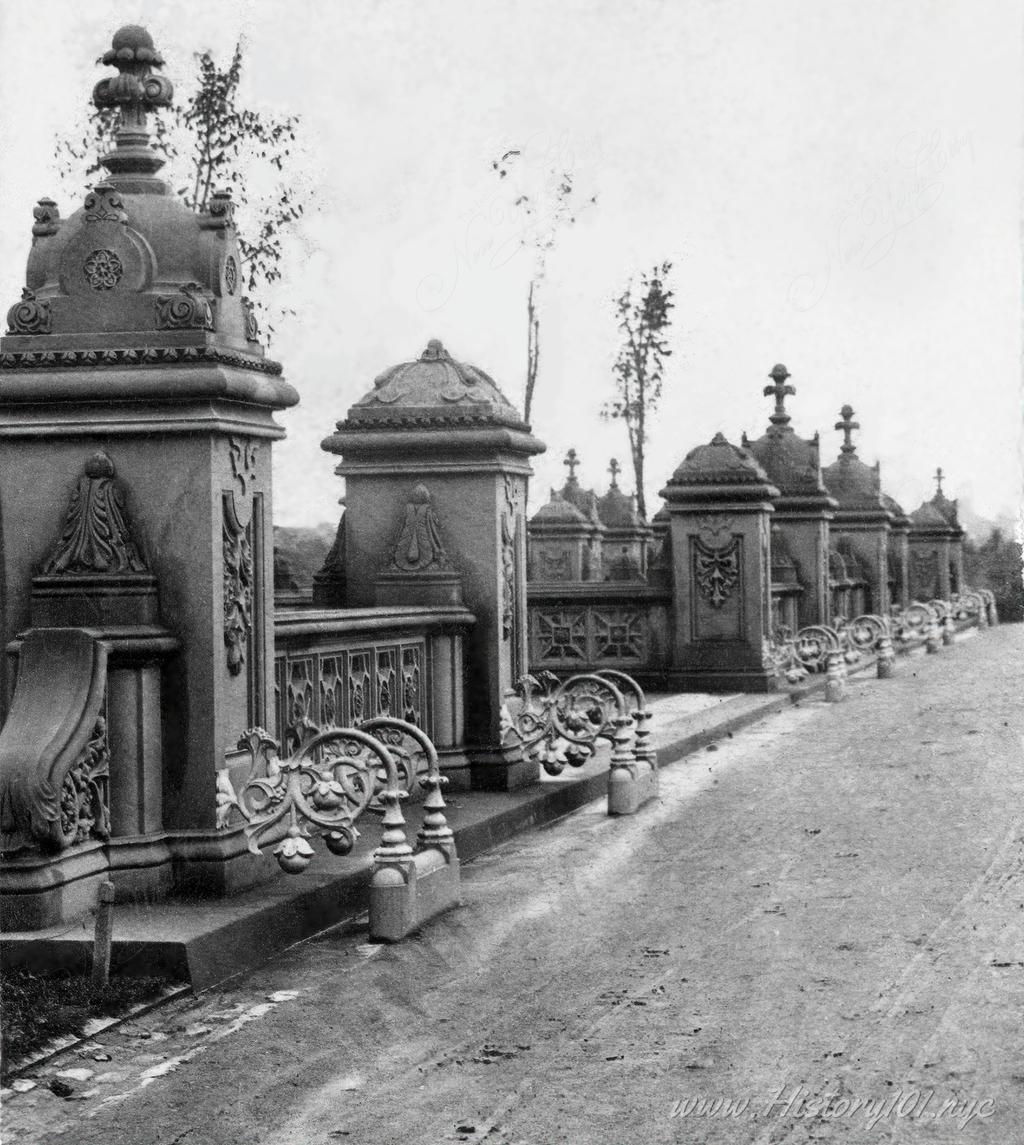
(822, 923)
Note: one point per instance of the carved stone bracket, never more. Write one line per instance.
(54, 759)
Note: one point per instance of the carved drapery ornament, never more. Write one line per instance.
(239, 583)
(96, 537)
(716, 570)
(419, 546)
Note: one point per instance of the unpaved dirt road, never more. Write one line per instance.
(821, 923)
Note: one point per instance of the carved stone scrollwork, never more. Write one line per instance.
(239, 578)
(717, 570)
(30, 315)
(96, 538)
(84, 806)
(231, 274)
(189, 309)
(419, 546)
(104, 205)
(243, 452)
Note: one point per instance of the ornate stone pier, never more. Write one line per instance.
(133, 353)
(803, 507)
(862, 519)
(445, 428)
(720, 502)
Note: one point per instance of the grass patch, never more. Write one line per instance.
(36, 1007)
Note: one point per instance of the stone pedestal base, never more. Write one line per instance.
(502, 770)
(627, 792)
(404, 896)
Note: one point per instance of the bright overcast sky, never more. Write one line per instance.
(837, 184)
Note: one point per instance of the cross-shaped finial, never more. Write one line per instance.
(571, 461)
(847, 425)
(938, 481)
(779, 389)
(614, 468)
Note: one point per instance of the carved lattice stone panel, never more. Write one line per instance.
(561, 635)
(341, 687)
(618, 635)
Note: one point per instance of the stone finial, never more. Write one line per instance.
(571, 462)
(938, 481)
(614, 468)
(435, 352)
(779, 389)
(847, 425)
(135, 91)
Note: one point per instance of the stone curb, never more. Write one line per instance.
(289, 911)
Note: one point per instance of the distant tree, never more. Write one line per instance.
(996, 564)
(644, 318)
(211, 141)
(545, 212)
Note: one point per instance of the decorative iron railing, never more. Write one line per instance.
(333, 777)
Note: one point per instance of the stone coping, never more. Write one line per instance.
(294, 623)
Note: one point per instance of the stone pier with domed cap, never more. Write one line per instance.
(862, 523)
(719, 502)
(132, 340)
(935, 547)
(437, 431)
(803, 507)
